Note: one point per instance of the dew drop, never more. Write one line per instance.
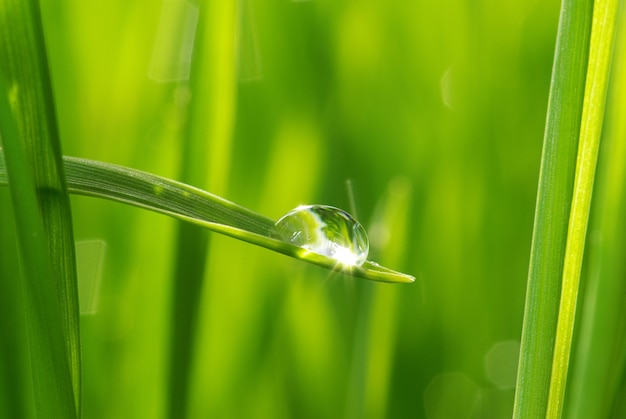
(327, 231)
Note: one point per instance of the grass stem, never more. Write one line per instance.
(29, 92)
(554, 194)
(602, 34)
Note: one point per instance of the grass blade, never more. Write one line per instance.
(25, 69)
(552, 211)
(15, 384)
(375, 334)
(598, 365)
(601, 48)
(52, 379)
(184, 202)
(209, 126)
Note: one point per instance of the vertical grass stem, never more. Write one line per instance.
(601, 48)
(24, 67)
(556, 179)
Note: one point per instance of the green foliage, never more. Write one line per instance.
(212, 80)
(599, 355)
(596, 85)
(42, 210)
(47, 342)
(552, 213)
(434, 113)
(195, 206)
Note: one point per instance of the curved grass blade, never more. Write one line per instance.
(184, 202)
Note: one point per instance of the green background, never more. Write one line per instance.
(432, 112)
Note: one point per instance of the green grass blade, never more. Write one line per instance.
(15, 383)
(598, 365)
(191, 255)
(375, 334)
(25, 68)
(209, 126)
(600, 52)
(552, 211)
(92, 178)
(52, 379)
(184, 202)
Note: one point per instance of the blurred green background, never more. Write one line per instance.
(432, 112)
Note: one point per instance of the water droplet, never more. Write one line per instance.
(325, 230)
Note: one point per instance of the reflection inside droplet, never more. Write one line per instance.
(327, 231)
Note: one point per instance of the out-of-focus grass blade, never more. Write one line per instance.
(554, 195)
(207, 138)
(374, 340)
(599, 357)
(52, 379)
(89, 264)
(600, 52)
(24, 67)
(172, 51)
(184, 202)
(249, 65)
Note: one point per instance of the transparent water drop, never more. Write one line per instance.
(327, 231)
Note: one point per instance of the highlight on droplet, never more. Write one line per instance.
(327, 231)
